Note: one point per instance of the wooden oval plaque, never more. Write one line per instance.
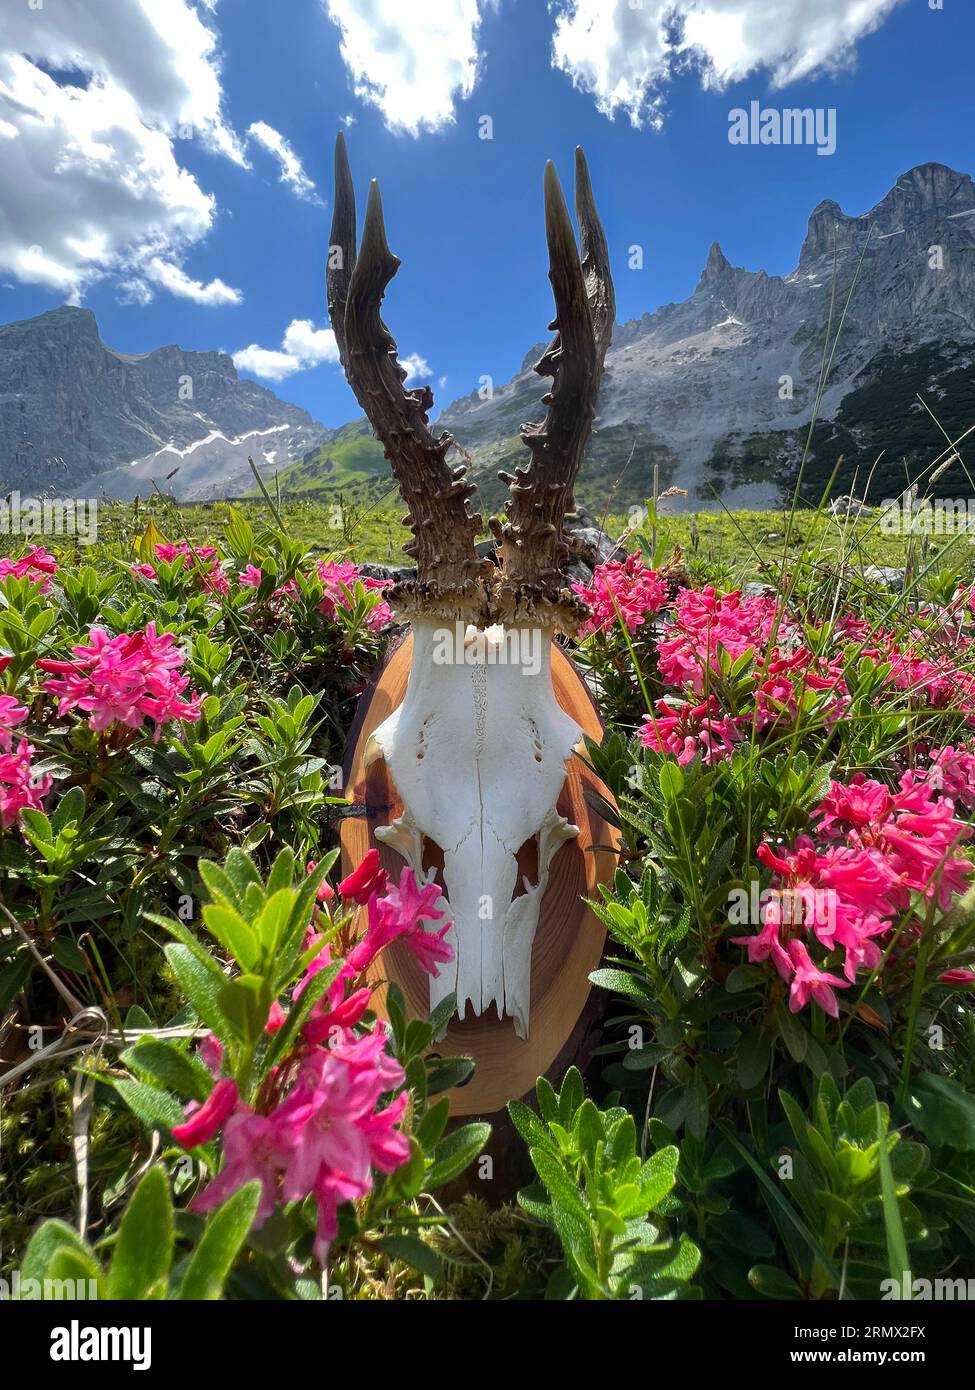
(569, 940)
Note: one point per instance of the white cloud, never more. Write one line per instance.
(175, 279)
(415, 366)
(412, 66)
(90, 179)
(302, 346)
(266, 362)
(309, 344)
(625, 55)
(292, 172)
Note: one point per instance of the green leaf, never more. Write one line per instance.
(559, 1184)
(450, 1072)
(658, 1175)
(772, 1282)
(442, 1014)
(200, 985)
(697, 1108)
(671, 779)
(754, 1053)
(643, 1058)
(623, 982)
(69, 810)
(234, 934)
(943, 1111)
(548, 1104)
(571, 1095)
(897, 1258)
(528, 1125)
(183, 934)
(745, 977)
(793, 1034)
(176, 1070)
(67, 952)
(246, 1003)
(431, 1127)
(455, 1152)
(270, 925)
(242, 872)
(44, 1244)
(144, 1251)
(80, 1266)
(415, 1253)
(220, 886)
(14, 976)
(220, 1244)
(156, 1109)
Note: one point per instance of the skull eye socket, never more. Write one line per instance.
(433, 858)
(527, 858)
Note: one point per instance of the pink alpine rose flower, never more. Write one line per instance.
(621, 589)
(11, 714)
(20, 787)
(368, 879)
(124, 680)
(36, 565)
(339, 574)
(203, 1122)
(808, 982)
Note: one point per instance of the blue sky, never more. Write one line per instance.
(215, 250)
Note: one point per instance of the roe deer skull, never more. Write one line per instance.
(478, 749)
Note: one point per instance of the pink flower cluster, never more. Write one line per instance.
(124, 680)
(941, 683)
(11, 714)
(952, 771)
(319, 1130)
(794, 680)
(785, 685)
(336, 573)
(333, 574)
(688, 729)
(925, 670)
(881, 846)
(704, 621)
(36, 565)
(252, 577)
(322, 1139)
(626, 589)
(205, 561)
(20, 787)
(913, 830)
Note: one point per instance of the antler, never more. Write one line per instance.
(437, 495)
(533, 543)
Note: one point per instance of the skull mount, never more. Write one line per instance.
(479, 747)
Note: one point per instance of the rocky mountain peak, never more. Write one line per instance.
(924, 199)
(716, 267)
(720, 386)
(75, 412)
(67, 321)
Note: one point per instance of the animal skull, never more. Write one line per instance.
(478, 748)
(476, 711)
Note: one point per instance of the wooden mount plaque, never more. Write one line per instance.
(569, 941)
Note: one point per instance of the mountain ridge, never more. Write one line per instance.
(75, 412)
(716, 391)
